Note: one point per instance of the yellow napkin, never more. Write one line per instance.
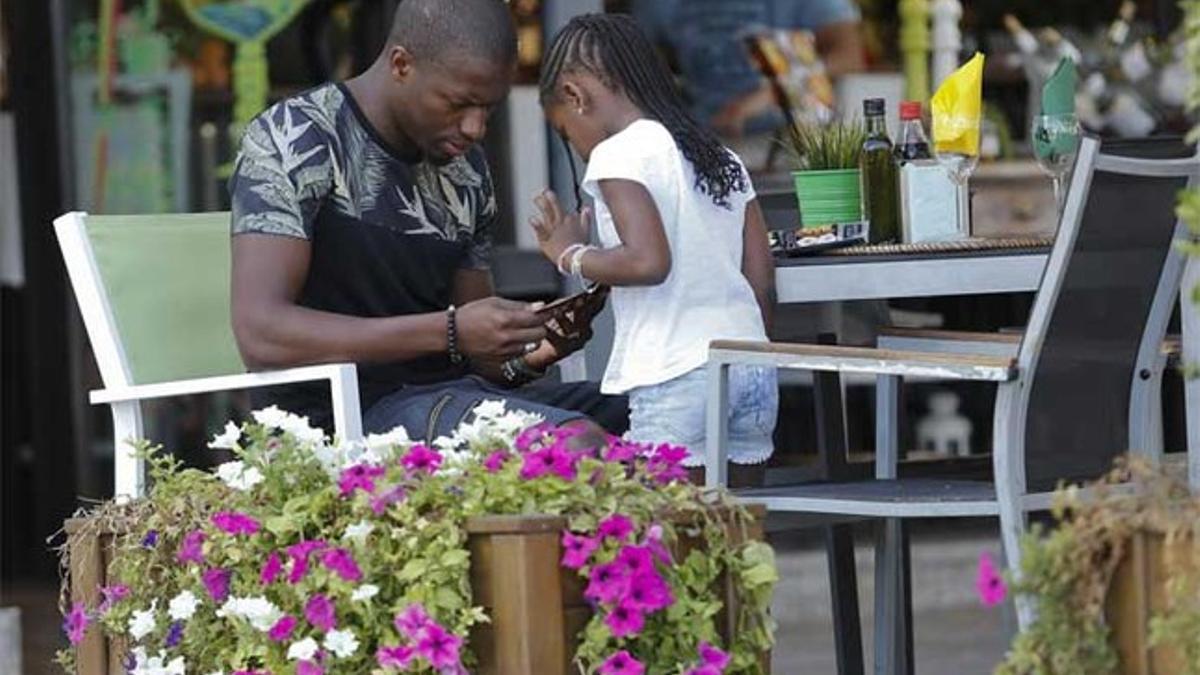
(957, 109)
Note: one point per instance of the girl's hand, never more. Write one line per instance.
(557, 231)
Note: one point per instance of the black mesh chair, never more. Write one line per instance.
(1071, 398)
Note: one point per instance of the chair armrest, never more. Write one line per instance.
(950, 341)
(204, 385)
(865, 360)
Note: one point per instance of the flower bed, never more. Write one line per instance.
(499, 550)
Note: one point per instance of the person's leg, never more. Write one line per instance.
(671, 412)
(609, 412)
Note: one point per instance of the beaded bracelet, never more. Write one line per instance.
(456, 357)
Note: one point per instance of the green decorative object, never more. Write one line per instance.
(914, 45)
(249, 25)
(828, 197)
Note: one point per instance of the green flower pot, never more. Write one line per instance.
(827, 197)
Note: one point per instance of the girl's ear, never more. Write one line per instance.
(574, 96)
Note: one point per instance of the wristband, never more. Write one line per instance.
(456, 357)
(577, 262)
(563, 269)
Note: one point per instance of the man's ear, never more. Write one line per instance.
(400, 63)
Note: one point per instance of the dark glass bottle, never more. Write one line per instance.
(878, 166)
(912, 142)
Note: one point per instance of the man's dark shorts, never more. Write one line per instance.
(431, 411)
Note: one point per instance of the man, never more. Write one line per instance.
(362, 216)
(725, 88)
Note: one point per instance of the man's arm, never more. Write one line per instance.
(273, 331)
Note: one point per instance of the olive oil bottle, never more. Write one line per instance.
(879, 183)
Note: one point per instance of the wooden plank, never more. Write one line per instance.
(87, 574)
(531, 524)
(955, 335)
(865, 359)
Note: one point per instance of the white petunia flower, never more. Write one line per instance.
(260, 612)
(342, 643)
(271, 417)
(397, 436)
(238, 476)
(142, 622)
(183, 606)
(491, 409)
(364, 592)
(359, 531)
(228, 439)
(303, 650)
(156, 665)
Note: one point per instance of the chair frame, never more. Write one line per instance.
(124, 396)
(1010, 366)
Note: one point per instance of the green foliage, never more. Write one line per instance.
(413, 550)
(837, 145)
(1067, 572)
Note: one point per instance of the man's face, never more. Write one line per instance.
(444, 106)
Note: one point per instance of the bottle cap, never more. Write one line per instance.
(874, 106)
(910, 110)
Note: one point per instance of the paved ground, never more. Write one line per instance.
(953, 635)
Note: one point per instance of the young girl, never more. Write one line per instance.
(683, 241)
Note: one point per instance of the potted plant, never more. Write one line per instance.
(827, 177)
(501, 549)
(1115, 583)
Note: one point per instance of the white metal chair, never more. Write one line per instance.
(154, 294)
(1093, 347)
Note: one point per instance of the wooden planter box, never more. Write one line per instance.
(536, 605)
(1138, 592)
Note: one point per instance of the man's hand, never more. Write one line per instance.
(497, 329)
(555, 230)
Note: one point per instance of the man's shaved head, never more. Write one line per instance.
(435, 30)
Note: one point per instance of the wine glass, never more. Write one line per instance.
(1055, 140)
(959, 162)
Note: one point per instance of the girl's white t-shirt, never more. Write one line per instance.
(664, 331)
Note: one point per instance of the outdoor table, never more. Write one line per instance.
(971, 267)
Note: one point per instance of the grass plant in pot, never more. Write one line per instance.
(827, 180)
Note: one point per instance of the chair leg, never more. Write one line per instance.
(843, 586)
(893, 609)
(130, 471)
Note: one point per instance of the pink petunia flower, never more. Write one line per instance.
(394, 657)
(621, 663)
(234, 523)
(270, 570)
(216, 582)
(637, 559)
(283, 628)
(341, 563)
(320, 613)
(563, 463)
(649, 593)
(711, 655)
(421, 459)
(607, 583)
(616, 526)
(577, 549)
(665, 465)
(537, 463)
(531, 436)
(380, 504)
(621, 451)
(112, 595)
(625, 619)
(495, 461)
(298, 553)
(359, 477)
(654, 542)
(75, 623)
(412, 621)
(988, 582)
(191, 549)
(309, 668)
(438, 646)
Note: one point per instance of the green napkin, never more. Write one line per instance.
(1058, 98)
